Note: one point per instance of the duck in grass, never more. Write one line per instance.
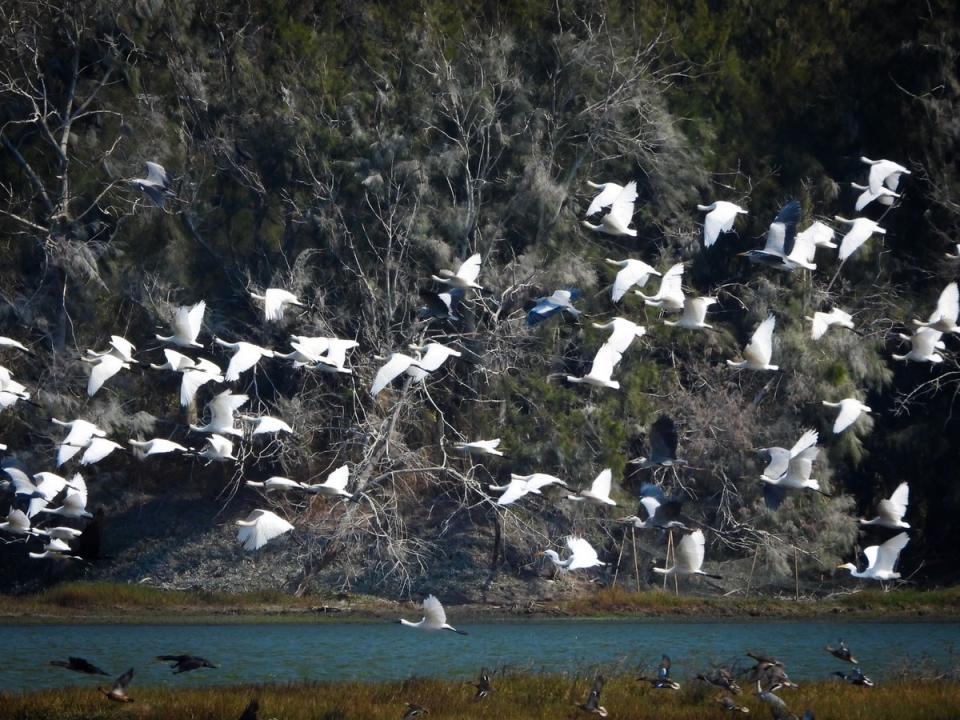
(414, 711)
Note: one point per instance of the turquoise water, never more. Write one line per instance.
(331, 652)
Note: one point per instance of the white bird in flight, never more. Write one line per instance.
(881, 560)
(790, 469)
(266, 424)
(81, 432)
(434, 355)
(944, 318)
(245, 356)
(306, 350)
(175, 361)
(924, 344)
(10, 390)
(821, 322)
(156, 446)
(259, 528)
(885, 196)
(617, 221)
(97, 449)
(193, 378)
(520, 485)
(598, 492)
(688, 559)
(396, 365)
(884, 172)
(335, 359)
(156, 185)
(670, 295)
(185, 326)
(817, 235)
(10, 342)
(757, 354)
(850, 411)
(40, 489)
(609, 191)
(860, 231)
(466, 275)
(694, 314)
(582, 555)
(275, 302)
(434, 617)
(74, 501)
(601, 370)
(218, 449)
(120, 348)
(334, 486)
(891, 510)
(480, 447)
(221, 409)
(624, 333)
(632, 273)
(276, 483)
(719, 219)
(103, 368)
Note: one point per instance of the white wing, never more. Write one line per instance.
(104, 369)
(188, 321)
(515, 490)
(433, 612)
(821, 321)
(265, 526)
(338, 478)
(760, 347)
(245, 357)
(690, 551)
(623, 335)
(469, 269)
(859, 233)
(849, 412)
(541, 480)
(672, 282)
(948, 304)
(695, 309)
(193, 378)
(97, 450)
(435, 356)
(396, 364)
(583, 554)
(604, 362)
(156, 175)
(605, 197)
(177, 361)
(635, 272)
(889, 551)
(337, 352)
(650, 504)
(601, 485)
(807, 440)
(895, 507)
(622, 207)
(924, 341)
(79, 436)
(718, 220)
(76, 497)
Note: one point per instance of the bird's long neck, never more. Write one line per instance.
(410, 624)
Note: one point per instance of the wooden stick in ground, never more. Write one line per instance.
(796, 570)
(636, 564)
(756, 551)
(666, 560)
(616, 570)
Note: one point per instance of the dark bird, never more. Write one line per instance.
(855, 677)
(87, 544)
(592, 704)
(781, 237)
(252, 711)
(547, 307)
(841, 652)
(442, 306)
(414, 711)
(662, 681)
(482, 685)
(118, 693)
(185, 663)
(768, 671)
(78, 664)
(662, 512)
(663, 445)
(727, 703)
(721, 678)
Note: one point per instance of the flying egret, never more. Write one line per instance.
(821, 322)
(275, 302)
(850, 411)
(885, 196)
(120, 348)
(218, 449)
(881, 559)
(335, 359)
(592, 703)
(599, 491)
(688, 558)
(662, 680)
(266, 424)
(841, 652)
(260, 527)
(80, 665)
(609, 191)
(10, 390)
(757, 354)
(221, 409)
(442, 306)
(891, 510)
(193, 378)
(16, 523)
(923, 346)
(694, 314)
(663, 444)
(816, 235)
(662, 513)
(176, 362)
(512, 491)
(104, 368)
(10, 342)
(185, 663)
(632, 273)
(156, 185)
(623, 335)
(245, 356)
(561, 301)
(118, 693)
(860, 231)
(601, 370)
(156, 446)
(781, 237)
(433, 356)
(790, 469)
(582, 555)
(719, 219)
(465, 277)
(617, 221)
(74, 500)
(306, 350)
(38, 490)
(276, 483)
(80, 435)
(670, 295)
(185, 326)
(334, 486)
(396, 365)
(97, 449)
(884, 172)
(434, 617)
(60, 532)
(944, 318)
(480, 447)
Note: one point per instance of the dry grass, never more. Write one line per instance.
(531, 697)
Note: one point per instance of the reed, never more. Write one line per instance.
(515, 697)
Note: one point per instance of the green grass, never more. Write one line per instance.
(531, 697)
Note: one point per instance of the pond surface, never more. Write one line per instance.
(272, 653)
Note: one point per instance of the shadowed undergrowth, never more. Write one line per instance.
(524, 696)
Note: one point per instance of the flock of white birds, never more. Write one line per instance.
(44, 494)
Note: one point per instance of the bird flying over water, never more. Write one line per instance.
(434, 617)
(78, 664)
(185, 663)
(881, 560)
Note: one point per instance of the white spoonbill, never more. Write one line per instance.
(719, 219)
(276, 483)
(245, 356)
(923, 346)
(17, 523)
(156, 446)
(694, 314)
(81, 432)
(74, 501)
(624, 333)
(260, 527)
(757, 354)
(266, 424)
(334, 486)
(944, 318)
(218, 449)
(396, 365)
(434, 617)
(688, 558)
(670, 295)
(176, 362)
(10, 342)
(821, 322)
(434, 355)
(480, 447)
(306, 350)
(884, 172)
(860, 231)
(193, 378)
(336, 358)
(881, 559)
(885, 196)
(609, 191)
(221, 409)
(601, 370)
(104, 368)
(120, 348)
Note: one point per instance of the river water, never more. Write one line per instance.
(282, 652)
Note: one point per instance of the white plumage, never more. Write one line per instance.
(821, 322)
(260, 527)
(694, 314)
(860, 231)
(434, 617)
(599, 491)
(466, 275)
(759, 351)
(275, 302)
(633, 272)
(881, 559)
(720, 217)
(582, 555)
(221, 409)
(185, 326)
(670, 295)
(245, 356)
(617, 221)
(891, 510)
(850, 410)
(335, 485)
(601, 370)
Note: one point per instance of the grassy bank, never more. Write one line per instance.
(525, 696)
(92, 602)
